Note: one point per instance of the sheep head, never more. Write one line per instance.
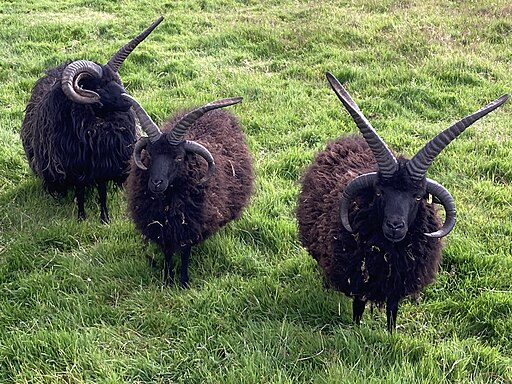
(86, 82)
(167, 150)
(399, 187)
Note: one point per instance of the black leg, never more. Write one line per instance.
(391, 312)
(185, 258)
(102, 192)
(168, 268)
(80, 201)
(357, 309)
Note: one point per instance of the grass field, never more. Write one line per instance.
(79, 302)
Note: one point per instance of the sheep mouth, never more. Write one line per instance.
(157, 191)
(395, 236)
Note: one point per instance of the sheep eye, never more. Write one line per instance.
(378, 193)
(418, 198)
(178, 159)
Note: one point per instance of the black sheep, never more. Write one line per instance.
(78, 131)
(365, 215)
(175, 197)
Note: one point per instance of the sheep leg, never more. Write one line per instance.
(80, 201)
(391, 312)
(102, 192)
(357, 309)
(185, 258)
(168, 267)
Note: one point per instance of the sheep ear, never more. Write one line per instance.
(417, 167)
(385, 159)
(441, 194)
(366, 180)
(117, 60)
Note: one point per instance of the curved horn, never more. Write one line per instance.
(419, 164)
(192, 146)
(363, 181)
(176, 135)
(446, 199)
(146, 123)
(71, 77)
(119, 57)
(137, 152)
(385, 159)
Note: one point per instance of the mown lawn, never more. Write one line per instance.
(79, 302)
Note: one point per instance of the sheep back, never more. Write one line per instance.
(190, 212)
(362, 264)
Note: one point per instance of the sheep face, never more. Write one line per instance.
(109, 90)
(165, 163)
(397, 205)
(168, 149)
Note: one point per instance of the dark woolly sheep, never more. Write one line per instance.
(78, 131)
(191, 179)
(366, 217)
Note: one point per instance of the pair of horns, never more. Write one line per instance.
(79, 69)
(416, 167)
(175, 136)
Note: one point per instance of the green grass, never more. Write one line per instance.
(79, 302)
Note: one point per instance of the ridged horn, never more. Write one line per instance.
(363, 181)
(71, 77)
(146, 123)
(417, 167)
(137, 152)
(176, 135)
(117, 60)
(446, 199)
(192, 146)
(386, 161)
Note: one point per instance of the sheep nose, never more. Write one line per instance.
(395, 224)
(157, 183)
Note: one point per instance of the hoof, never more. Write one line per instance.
(105, 219)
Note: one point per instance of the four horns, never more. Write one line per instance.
(175, 136)
(416, 167)
(79, 69)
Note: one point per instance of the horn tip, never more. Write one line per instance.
(227, 102)
(158, 21)
(347, 226)
(336, 86)
(331, 78)
(498, 102)
(437, 234)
